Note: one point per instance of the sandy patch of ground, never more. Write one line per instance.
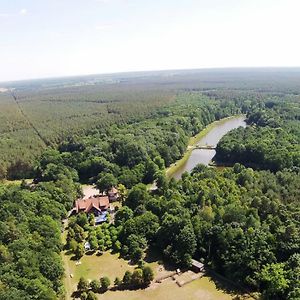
(89, 190)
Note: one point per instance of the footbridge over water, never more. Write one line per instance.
(205, 147)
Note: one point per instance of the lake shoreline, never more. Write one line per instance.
(173, 168)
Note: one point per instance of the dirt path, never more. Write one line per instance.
(65, 259)
(67, 279)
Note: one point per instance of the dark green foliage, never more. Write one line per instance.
(137, 196)
(117, 282)
(83, 285)
(95, 285)
(122, 215)
(30, 244)
(244, 224)
(148, 275)
(91, 296)
(241, 222)
(127, 278)
(272, 142)
(105, 283)
(141, 277)
(106, 182)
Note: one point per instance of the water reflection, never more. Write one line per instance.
(211, 138)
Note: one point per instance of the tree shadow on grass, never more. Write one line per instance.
(225, 284)
(153, 255)
(123, 287)
(68, 252)
(74, 257)
(76, 294)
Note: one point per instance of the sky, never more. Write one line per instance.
(50, 38)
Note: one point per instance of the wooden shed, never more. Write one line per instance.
(197, 266)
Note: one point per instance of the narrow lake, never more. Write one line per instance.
(204, 156)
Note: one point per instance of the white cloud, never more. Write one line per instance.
(102, 27)
(103, 1)
(4, 15)
(23, 12)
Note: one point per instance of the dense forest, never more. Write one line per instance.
(30, 238)
(38, 114)
(241, 222)
(133, 153)
(272, 141)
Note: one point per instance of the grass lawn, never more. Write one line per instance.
(15, 182)
(200, 289)
(94, 267)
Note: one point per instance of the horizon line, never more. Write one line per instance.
(145, 71)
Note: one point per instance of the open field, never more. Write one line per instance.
(94, 267)
(200, 289)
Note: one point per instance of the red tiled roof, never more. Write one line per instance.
(113, 193)
(113, 190)
(99, 203)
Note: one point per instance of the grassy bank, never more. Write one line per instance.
(192, 142)
(15, 182)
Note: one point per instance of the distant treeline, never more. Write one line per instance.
(55, 109)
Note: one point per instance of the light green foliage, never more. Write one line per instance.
(274, 279)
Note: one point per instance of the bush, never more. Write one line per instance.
(91, 296)
(82, 285)
(95, 285)
(105, 283)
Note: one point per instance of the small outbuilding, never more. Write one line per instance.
(197, 266)
(113, 194)
(87, 246)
